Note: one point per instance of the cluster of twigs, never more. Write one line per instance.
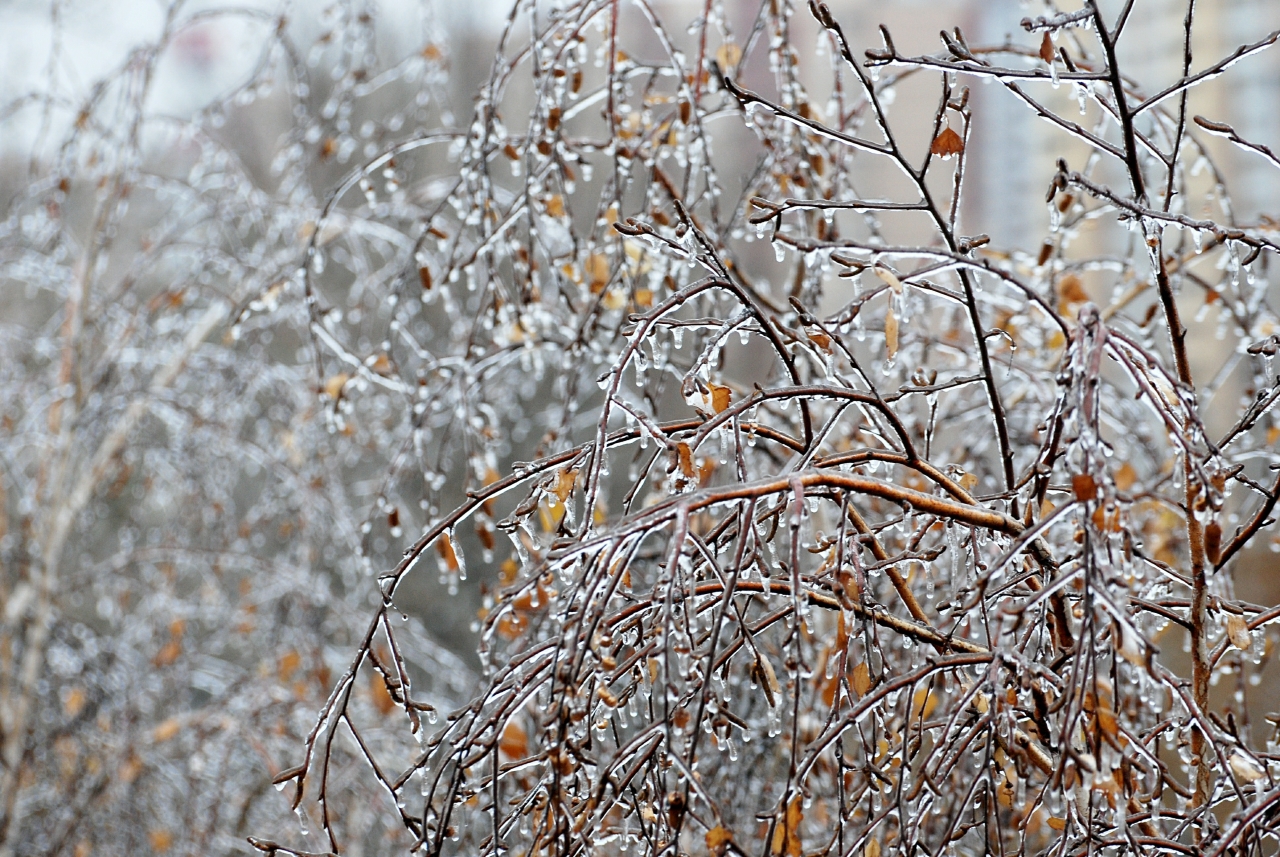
(889, 546)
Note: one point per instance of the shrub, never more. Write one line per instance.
(887, 545)
(892, 537)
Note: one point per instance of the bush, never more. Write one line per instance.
(889, 538)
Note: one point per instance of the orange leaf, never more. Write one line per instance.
(1108, 724)
(73, 702)
(828, 688)
(288, 663)
(1126, 477)
(1070, 291)
(166, 730)
(168, 653)
(719, 397)
(1084, 487)
(445, 548)
(685, 458)
(514, 743)
(947, 143)
(381, 696)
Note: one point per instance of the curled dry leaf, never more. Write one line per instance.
(1046, 48)
(890, 333)
(1238, 632)
(947, 144)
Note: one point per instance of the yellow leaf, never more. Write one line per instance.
(1057, 823)
(890, 333)
(718, 840)
(923, 703)
(728, 56)
(1126, 477)
(73, 702)
(382, 699)
(1110, 726)
(166, 730)
(161, 839)
(890, 278)
(1238, 632)
(596, 268)
(860, 679)
(1070, 291)
(288, 663)
(871, 849)
(168, 653)
(614, 299)
(1245, 768)
(333, 386)
(130, 769)
(770, 680)
(786, 835)
(555, 205)
(565, 480)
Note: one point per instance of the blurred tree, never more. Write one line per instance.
(180, 533)
(886, 538)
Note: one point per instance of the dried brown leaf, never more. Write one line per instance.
(1046, 49)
